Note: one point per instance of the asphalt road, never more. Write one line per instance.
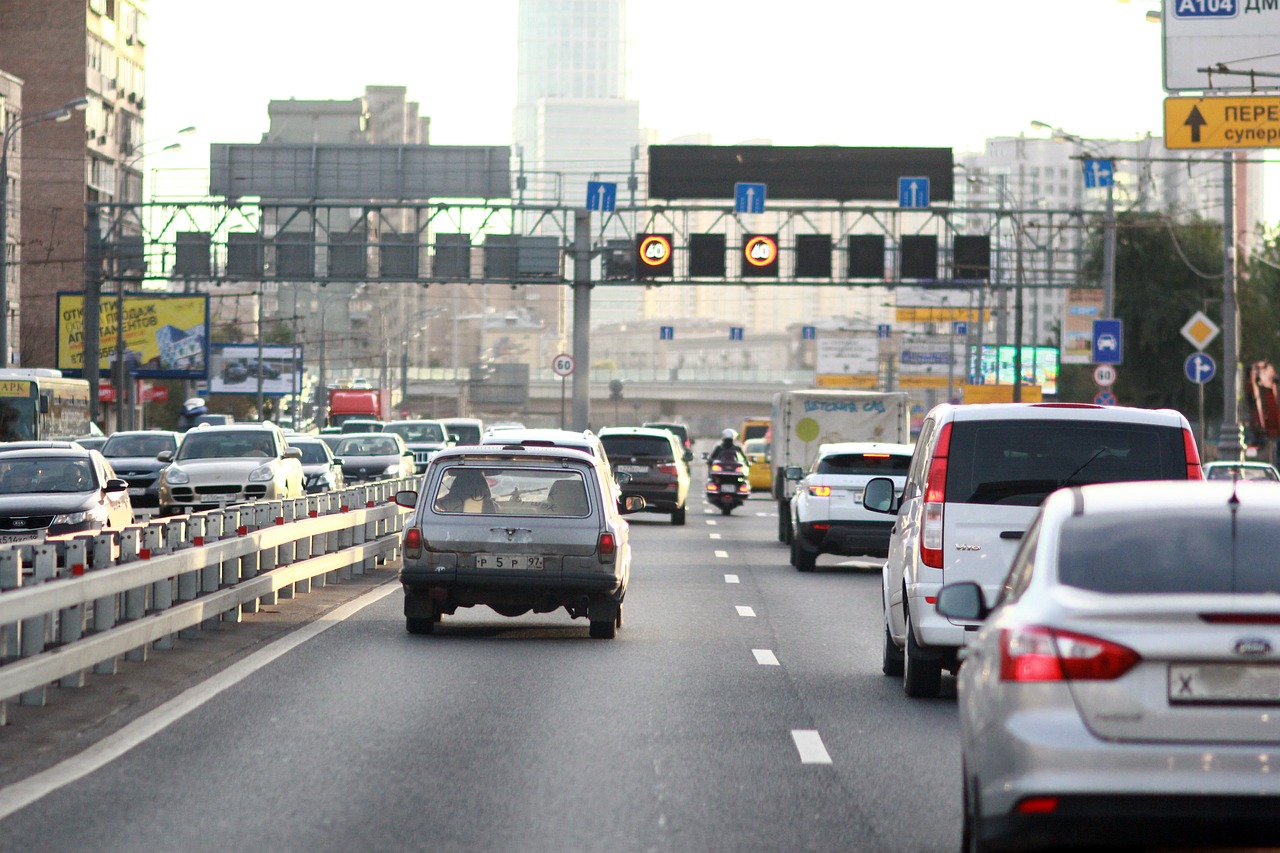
(740, 708)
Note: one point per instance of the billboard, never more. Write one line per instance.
(234, 368)
(1039, 367)
(165, 336)
(1084, 305)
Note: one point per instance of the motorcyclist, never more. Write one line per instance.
(728, 450)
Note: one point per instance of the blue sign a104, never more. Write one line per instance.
(1205, 8)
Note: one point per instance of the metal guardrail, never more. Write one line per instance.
(81, 602)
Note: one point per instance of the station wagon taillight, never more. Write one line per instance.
(1194, 471)
(1036, 653)
(935, 493)
(608, 547)
(413, 543)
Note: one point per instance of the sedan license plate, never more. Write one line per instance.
(634, 469)
(6, 538)
(136, 492)
(1241, 684)
(509, 561)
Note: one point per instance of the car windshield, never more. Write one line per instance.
(1240, 472)
(121, 446)
(47, 475)
(371, 446)
(1020, 462)
(417, 430)
(622, 446)
(226, 445)
(466, 433)
(1174, 551)
(870, 464)
(312, 452)
(511, 491)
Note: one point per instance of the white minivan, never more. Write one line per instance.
(977, 477)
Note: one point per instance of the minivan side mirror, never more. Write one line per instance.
(795, 473)
(878, 496)
(964, 601)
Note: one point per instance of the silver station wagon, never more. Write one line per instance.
(517, 529)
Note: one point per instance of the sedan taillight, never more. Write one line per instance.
(413, 543)
(1036, 653)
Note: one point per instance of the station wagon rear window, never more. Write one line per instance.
(497, 490)
(1019, 462)
(1171, 552)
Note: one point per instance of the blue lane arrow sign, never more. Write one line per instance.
(602, 196)
(959, 327)
(1199, 368)
(808, 333)
(913, 192)
(749, 198)
(735, 333)
(1099, 173)
(883, 330)
(666, 333)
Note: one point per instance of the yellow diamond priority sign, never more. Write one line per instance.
(1200, 330)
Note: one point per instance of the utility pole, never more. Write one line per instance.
(581, 319)
(92, 305)
(1230, 439)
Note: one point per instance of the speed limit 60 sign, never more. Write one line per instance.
(562, 364)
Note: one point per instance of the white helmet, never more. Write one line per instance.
(729, 434)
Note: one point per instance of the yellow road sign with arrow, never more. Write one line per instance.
(1244, 122)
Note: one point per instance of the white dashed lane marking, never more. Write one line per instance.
(765, 657)
(711, 521)
(724, 555)
(714, 535)
(809, 745)
(743, 610)
(730, 578)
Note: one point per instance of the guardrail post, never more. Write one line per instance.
(353, 499)
(249, 562)
(357, 537)
(265, 515)
(106, 610)
(10, 578)
(231, 566)
(36, 630)
(181, 534)
(302, 546)
(135, 600)
(71, 623)
(285, 553)
(154, 545)
(333, 539)
(206, 527)
(318, 505)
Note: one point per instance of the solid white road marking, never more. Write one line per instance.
(724, 555)
(19, 795)
(730, 578)
(743, 610)
(809, 745)
(765, 657)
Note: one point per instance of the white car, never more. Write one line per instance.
(223, 465)
(827, 515)
(977, 476)
(1124, 689)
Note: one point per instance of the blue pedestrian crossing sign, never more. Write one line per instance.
(1099, 173)
(666, 333)
(1199, 368)
(602, 196)
(913, 192)
(749, 198)
(808, 333)
(1108, 342)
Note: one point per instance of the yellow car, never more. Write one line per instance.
(759, 472)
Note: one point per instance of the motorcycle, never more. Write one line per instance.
(727, 485)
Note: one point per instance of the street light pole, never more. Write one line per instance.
(62, 113)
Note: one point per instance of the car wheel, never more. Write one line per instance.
(891, 657)
(677, 516)
(970, 841)
(725, 510)
(784, 519)
(617, 622)
(604, 629)
(921, 679)
(806, 557)
(793, 552)
(782, 526)
(420, 624)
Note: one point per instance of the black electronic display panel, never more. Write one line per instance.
(971, 257)
(813, 256)
(706, 255)
(866, 256)
(918, 256)
(810, 173)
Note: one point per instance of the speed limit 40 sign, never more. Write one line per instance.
(562, 364)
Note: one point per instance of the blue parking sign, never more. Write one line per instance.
(1108, 342)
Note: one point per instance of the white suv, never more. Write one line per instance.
(827, 515)
(977, 476)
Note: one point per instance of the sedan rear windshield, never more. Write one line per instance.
(373, 446)
(511, 491)
(1171, 552)
(122, 446)
(1020, 462)
(411, 431)
(625, 446)
(312, 452)
(870, 464)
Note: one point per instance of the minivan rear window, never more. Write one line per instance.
(1173, 551)
(619, 446)
(1019, 462)
(869, 464)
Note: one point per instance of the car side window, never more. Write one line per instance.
(1019, 577)
(915, 474)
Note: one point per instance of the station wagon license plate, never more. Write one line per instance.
(1251, 684)
(509, 561)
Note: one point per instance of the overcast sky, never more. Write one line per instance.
(801, 72)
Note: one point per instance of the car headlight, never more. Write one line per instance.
(392, 470)
(78, 517)
(263, 474)
(176, 476)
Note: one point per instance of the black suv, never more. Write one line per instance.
(681, 432)
(649, 463)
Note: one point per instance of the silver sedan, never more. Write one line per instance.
(1125, 689)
